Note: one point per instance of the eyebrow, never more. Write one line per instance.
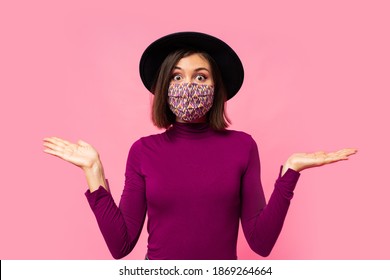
(197, 69)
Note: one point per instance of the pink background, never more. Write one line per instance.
(317, 78)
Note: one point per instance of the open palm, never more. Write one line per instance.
(302, 161)
(81, 154)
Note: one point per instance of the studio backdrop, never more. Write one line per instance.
(316, 78)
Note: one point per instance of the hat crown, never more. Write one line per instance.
(228, 62)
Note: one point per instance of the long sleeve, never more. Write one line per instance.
(121, 226)
(261, 222)
(196, 184)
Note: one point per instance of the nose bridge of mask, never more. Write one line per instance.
(185, 90)
(188, 86)
(188, 89)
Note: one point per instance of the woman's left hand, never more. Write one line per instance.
(301, 161)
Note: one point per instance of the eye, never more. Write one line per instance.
(201, 77)
(176, 77)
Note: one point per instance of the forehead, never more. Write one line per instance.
(195, 60)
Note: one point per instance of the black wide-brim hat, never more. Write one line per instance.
(228, 62)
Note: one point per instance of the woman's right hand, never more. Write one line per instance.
(81, 154)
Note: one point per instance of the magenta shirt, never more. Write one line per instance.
(195, 184)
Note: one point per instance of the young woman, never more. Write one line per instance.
(196, 180)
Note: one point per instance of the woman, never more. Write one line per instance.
(197, 179)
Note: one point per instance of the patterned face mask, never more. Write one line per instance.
(190, 101)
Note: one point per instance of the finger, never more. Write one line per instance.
(341, 157)
(351, 151)
(53, 147)
(83, 143)
(63, 141)
(332, 160)
(54, 153)
(331, 157)
(54, 141)
(343, 152)
(347, 152)
(340, 153)
(49, 139)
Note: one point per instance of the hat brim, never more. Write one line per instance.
(229, 63)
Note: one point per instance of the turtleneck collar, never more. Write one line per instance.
(190, 130)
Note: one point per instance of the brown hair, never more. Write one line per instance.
(163, 117)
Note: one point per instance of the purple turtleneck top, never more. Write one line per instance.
(195, 184)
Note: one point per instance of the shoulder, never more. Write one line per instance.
(148, 140)
(240, 136)
(239, 143)
(242, 146)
